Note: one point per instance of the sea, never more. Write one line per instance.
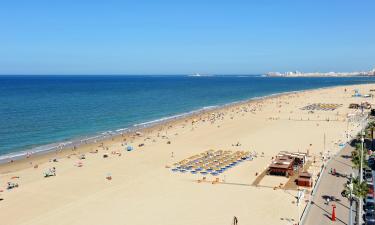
(41, 113)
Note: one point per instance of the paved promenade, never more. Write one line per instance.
(330, 185)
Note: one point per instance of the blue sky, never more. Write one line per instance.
(184, 37)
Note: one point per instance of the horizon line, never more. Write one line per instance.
(203, 75)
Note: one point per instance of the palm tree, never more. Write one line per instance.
(356, 155)
(370, 131)
(360, 190)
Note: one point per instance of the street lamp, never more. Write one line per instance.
(361, 175)
(361, 159)
(350, 199)
(348, 118)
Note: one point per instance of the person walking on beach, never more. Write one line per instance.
(235, 220)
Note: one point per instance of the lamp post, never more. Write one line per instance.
(361, 159)
(350, 200)
(324, 150)
(349, 119)
(361, 176)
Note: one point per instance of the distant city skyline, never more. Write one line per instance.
(322, 74)
(185, 37)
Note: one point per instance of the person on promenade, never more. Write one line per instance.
(235, 220)
(327, 200)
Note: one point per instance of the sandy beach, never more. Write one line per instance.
(143, 190)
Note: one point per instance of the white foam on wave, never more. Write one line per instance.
(169, 118)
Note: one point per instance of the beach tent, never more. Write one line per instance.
(129, 148)
(356, 93)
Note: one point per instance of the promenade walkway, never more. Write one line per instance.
(330, 185)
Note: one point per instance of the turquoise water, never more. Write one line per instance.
(39, 110)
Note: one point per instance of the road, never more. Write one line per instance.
(330, 185)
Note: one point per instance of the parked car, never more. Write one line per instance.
(371, 189)
(371, 162)
(369, 198)
(369, 206)
(367, 172)
(369, 179)
(370, 217)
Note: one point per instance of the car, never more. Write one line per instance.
(370, 216)
(371, 189)
(367, 173)
(369, 206)
(371, 162)
(369, 198)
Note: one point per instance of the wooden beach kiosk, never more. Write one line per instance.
(282, 166)
(304, 179)
(286, 163)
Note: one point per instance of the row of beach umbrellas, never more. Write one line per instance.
(322, 106)
(211, 162)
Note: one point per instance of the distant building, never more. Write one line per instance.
(319, 74)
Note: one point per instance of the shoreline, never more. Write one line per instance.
(47, 149)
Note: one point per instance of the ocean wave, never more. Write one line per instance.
(177, 116)
(102, 136)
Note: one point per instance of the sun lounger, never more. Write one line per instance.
(51, 172)
(12, 185)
